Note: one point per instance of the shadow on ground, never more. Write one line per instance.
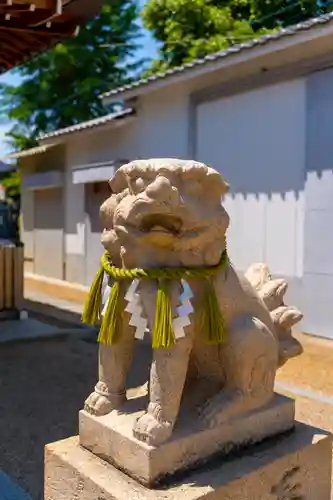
(43, 385)
(56, 313)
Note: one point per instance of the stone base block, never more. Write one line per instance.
(111, 438)
(293, 466)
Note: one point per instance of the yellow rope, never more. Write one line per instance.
(172, 273)
(163, 335)
(93, 302)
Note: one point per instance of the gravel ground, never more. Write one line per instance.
(43, 385)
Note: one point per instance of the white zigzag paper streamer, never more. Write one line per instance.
(106, 289)
(183, 311)
(135, 309)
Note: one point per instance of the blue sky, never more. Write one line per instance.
(148, 50)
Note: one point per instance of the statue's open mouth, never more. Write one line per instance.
(161, 223)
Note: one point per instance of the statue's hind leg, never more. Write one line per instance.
(250, 359)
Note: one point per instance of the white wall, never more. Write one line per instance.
(161, 129)
(75, 218)
(257, 140)
(120, 142)
(318, 227)
(274, 146)
(27, 223)
(49, 232)
(164, 123)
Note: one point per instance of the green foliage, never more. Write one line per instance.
(62, 86)
(189, 29)
(282, 13)
(12, 184)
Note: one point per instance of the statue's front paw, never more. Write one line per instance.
(152, 431)
(98, 405)
(101, 402)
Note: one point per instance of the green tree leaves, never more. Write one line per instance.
(62, 86)
(12, 184)
(189, 29)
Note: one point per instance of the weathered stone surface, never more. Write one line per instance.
(297, 466)
(111, 438)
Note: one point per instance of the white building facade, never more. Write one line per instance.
(260, 113)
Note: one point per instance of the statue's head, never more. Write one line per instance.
(165, 212)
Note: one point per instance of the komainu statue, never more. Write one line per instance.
(218, 337)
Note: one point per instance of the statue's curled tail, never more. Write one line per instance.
(272, 292)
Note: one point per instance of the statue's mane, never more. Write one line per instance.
(187, 170)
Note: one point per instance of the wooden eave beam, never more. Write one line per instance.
(29, 27)
(5, 61)
(32, 18)
(19, 40)
(18, 8)
(12, 53)
(55, 30)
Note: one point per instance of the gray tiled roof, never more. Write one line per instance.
(96, 122)
(235, 49)
(29, 152)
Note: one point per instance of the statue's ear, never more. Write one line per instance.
(106, 211)
(118, 182)
(218, 181)
(225, 187)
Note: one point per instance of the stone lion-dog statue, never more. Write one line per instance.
(164, 217)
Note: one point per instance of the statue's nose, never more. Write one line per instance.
(162, 190)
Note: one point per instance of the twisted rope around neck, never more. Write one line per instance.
(211, 319)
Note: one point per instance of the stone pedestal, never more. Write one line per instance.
(296, 465)
(111, 438)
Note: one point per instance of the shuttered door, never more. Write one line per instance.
(257, 140)
(49, 233)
